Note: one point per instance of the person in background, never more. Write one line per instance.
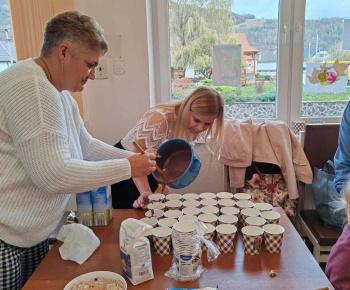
(336, 268)
(342, 155)
(199, 115)
(45, 151)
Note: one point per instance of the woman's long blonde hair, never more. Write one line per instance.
(204, 101)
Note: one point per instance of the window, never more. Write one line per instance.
(195, 26)
(323, 43)
(285, 35)
(7, 48)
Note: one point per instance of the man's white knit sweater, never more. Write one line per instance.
(45, 155)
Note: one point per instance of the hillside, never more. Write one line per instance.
(262, 33)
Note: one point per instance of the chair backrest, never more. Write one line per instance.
(320, 143)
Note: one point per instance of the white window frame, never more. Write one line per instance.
(290, 58)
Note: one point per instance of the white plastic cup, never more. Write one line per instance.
(273, 235)
(156, 197)
(191, 203)
(191, 211)
(188, 218)
(263, 206)
(162, 240)
(208, 201)
(156, 205)
(210, 209)
(224, 194)
(255, 221)
(226, 237)
(252, 239)
(157, 213)
(173, 204)
(242, 196)
(229, 210)
(187, 196)
(228, 219)
(272, 217)
(208, 218)
(226, 202)
(175, 213)
(172, 196)
(152, 221)
(167, 222)
(204, 195)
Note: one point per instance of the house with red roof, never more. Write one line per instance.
(250, 53)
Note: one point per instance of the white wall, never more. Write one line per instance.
(112, 106)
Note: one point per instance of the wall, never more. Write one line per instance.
(108, 103)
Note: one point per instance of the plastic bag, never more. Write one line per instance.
(325, 195)
(79, 242)
(187, 249)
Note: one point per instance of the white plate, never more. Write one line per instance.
(92, 275)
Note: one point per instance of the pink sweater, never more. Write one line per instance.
(337, 269)
(268, 142)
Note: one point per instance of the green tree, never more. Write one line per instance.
(195, 25)
(336, 52)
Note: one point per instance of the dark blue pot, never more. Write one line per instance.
(173, 145)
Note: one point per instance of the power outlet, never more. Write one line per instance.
(101, 71)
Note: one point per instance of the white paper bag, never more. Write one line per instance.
(135, 252)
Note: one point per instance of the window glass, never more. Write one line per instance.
(326, 77)
(7, 48)
(195, 26)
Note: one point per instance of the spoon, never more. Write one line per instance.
(143, 152)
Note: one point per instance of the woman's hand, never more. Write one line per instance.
(142, 164)
(165, 189)
(142, 200)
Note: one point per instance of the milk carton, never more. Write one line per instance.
(84, 208)
(102, 206)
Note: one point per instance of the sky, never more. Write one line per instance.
(315, 9)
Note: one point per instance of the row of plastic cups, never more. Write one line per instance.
(178, 204)
(158, 197)
(241, 213)
(253, 237)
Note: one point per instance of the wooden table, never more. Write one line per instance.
(295, 266)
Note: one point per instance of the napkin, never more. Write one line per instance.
(79, 242)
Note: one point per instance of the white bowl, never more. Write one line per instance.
(92, 275)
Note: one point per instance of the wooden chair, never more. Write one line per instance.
(320, 144)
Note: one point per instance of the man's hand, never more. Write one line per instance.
(142, 164)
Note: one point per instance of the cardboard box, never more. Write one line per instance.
(102, 206)
(84, 208)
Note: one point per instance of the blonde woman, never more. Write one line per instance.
(199, 115)
(339, 258)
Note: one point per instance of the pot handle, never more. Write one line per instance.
(197, 163)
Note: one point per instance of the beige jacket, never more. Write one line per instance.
(268, 142)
